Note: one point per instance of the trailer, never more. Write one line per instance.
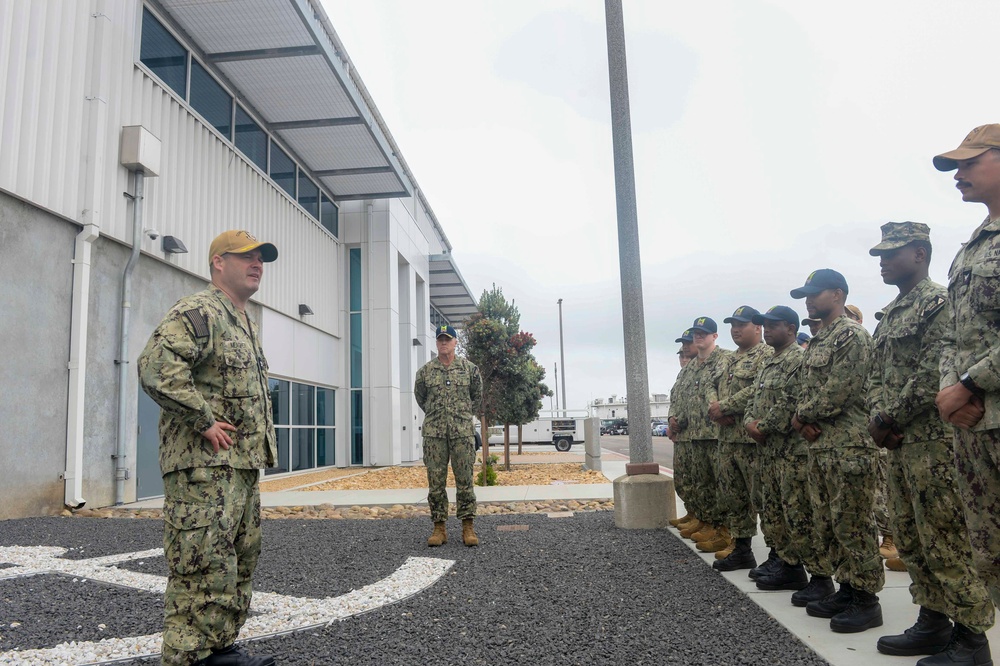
(563, 429)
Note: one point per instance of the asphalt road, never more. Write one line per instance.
(663, 448)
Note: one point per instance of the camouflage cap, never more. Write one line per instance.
(900, 234)
(975, 144)
(236, 241)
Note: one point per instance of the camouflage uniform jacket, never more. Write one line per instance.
(733, 386)
(973, 343)
(904, 376)
(202, 365)
(680, 396)
(835, 371)
(773, 402)
(448, 395)
(699, 425)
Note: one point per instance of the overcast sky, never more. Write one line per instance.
(771, 138)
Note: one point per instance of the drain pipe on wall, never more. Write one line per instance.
(140, 153)
(121, 468)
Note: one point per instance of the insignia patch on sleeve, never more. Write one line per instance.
(842, 339)
(933, 306)
(198, 322)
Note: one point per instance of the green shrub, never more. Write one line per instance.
(487, 475)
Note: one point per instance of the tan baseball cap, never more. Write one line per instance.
(975, 144)
(236, 241)
(854, 312)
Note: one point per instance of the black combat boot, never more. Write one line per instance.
(235, 656)
(832, 604)
(966, 648)
(770, 564)
(788, 577)
(741, 557)
(819, 587)
(929, 635)
(864, 613)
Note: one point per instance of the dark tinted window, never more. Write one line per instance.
(282, 169)
(250, 138)
(163, 54)
(328, 215)
(308, 195)
(210, 100)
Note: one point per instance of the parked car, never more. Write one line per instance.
(660, 429)
(614, 427)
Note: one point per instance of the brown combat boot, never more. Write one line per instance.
(692, 528)
(895, 564)
(683, 519)
(689, 523)
(727, 551)
(469, 537)
(707, 534)
(439, 536)
(721, 541)
(888, 548)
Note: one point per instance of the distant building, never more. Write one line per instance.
(617, 408)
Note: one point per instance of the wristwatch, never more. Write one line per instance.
(967, 382)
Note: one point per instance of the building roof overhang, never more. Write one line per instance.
(285, 62)
(448, 292)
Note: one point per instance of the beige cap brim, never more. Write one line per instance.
(949, 161)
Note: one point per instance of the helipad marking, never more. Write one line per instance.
(274, 613)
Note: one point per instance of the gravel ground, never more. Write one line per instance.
(572, 590)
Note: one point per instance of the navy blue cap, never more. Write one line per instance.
(821, 280)
(685, 337)
(706, 324)
(744, 313)
(445, 330)
(778, 313)
(803, 337)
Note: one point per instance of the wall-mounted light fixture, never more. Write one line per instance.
(304, 310)
(173, 245)
(417, 343)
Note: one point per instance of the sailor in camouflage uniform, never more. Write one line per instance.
(969, 396)
(205, 367)
(448, 389)
(932, 537)
(831, 416)
(677, 419)
(704, 433)
(733, 387)
(786, 511)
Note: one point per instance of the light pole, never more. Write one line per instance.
(562, 357)
(555, 385)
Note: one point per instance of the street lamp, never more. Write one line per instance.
(562, 357)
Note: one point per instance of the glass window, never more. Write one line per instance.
(279, 401)
(357, 429)
(302, 448)
(328, 215)
(282, 169)
(355, 279)
(308, 195)
(325, 410)
(303, 406)
(163, 54)
(324, 447)
(250, 138)
(356, 370)
(210, 100)
(282, 466)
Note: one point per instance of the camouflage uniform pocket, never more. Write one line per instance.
(984, 287)
(187, 541)
(239, 371)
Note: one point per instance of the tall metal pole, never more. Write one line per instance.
(555, 385)
(640, 440)
(562, 357)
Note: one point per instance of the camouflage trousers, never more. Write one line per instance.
(737, 462)
(211, 541)
(882, 504)
(682, 476)
(842, 494)
(768, 491)
(704, 486)
(931, 535)
(797, 543)
(977, 456)
(462, 453)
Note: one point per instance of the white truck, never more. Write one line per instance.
(561, 428)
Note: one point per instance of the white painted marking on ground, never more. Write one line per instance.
(275, 613)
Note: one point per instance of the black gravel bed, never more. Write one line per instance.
(571, 590)
(45, 610)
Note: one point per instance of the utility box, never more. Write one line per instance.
(140, 150)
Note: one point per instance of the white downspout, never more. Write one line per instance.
(370, 219)
(73, 476)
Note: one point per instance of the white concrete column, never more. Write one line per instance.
(384, 425)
